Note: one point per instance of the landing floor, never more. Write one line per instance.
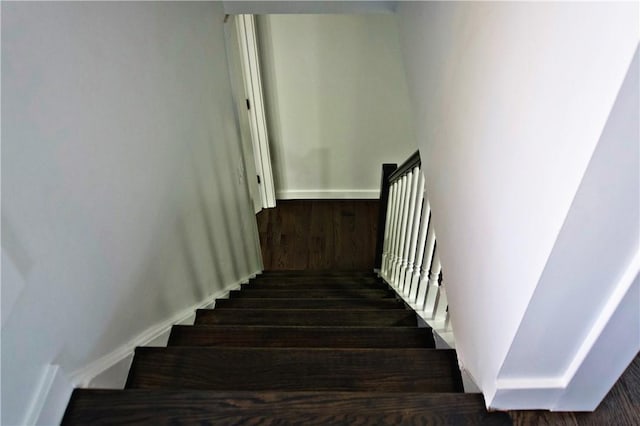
(319, 234)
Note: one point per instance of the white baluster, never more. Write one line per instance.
(398, 236)
(427, 265)
(406, 241)
(387, 231)
(433, 285)
(394, 228)
(415, 215)
(420, 249)
(403, 228)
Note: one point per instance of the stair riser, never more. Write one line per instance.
(326, 273)
(305, 337)
(306, 317)
(296, 285)
(312, 294)
(247, 303)
(319, 278)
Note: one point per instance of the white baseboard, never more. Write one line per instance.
(50, 399)
(55, 387)
(328, 194)
(83, 376)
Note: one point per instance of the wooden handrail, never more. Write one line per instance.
(405, 167)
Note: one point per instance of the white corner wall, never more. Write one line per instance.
(589, 274)
(121, 201)
(509, 102)
(337, 102)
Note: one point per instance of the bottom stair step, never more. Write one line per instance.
(295, 369)
(308, 337)
(162, 407)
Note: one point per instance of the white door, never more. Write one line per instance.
(238, 93)
(244, 66)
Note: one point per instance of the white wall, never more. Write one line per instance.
(590, 270)
(121, 201)
(509, 101)
(337, 102)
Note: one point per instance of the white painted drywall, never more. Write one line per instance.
(120, 186)
(509, 101)
(590, 268)
(337, 102)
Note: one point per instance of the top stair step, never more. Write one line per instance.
(166, 406)
(295, 369)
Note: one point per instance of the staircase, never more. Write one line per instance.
(296, 347)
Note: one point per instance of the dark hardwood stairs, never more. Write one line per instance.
(293, 347)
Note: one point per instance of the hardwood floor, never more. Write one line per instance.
(319, 234)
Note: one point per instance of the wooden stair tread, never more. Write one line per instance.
(327, 317)
(166, 406)
(324, 273)
(330, 278)
(328, 337)
(293, 347)
(282, 303)
(312, 293)
(311, 285)
(296, 369)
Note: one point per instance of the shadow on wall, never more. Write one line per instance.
(199, 249)
(120, 202)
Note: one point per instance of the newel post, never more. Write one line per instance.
(383, 222)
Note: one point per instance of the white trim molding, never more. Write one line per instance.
(620, 291)
(250, 63)
(83, 376)
(559, 393)
(50, 399)
(328, 194)
(55, 387)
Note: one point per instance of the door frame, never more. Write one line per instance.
(254, 100)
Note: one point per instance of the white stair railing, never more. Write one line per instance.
(410, 262)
